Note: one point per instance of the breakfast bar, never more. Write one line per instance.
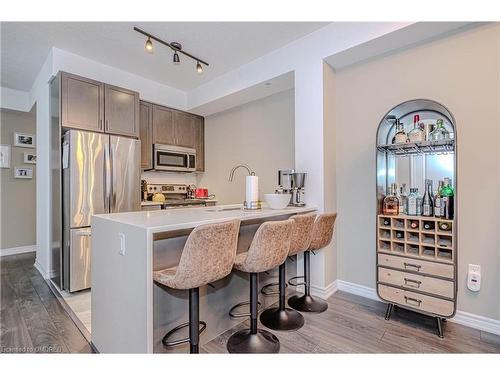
(130, 313)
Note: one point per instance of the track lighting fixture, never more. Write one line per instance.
(177, 61)
(174, 46)
(149, 46)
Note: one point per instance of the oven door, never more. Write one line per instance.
(172, 159)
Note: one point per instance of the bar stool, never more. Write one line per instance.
(322, 234)
(208, 255)
(268, 249)
(281, 317)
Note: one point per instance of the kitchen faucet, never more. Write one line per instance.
(231, 174)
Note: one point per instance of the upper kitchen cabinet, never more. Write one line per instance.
(163, 125)
(185, 129)
(121, 111)
(146, 134)
(82, 103)
(91, 105)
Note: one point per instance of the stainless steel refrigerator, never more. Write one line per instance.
(100, 174)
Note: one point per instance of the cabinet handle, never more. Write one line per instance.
(413, 301)
(416, 283)
(107, 124)
(100, 124)
(412, 265)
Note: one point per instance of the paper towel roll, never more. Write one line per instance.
(252, 189)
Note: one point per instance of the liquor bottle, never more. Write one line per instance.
(416, 134)
(428, 225)
(438, 201)
(439, 131)
(447, 200)
(412, 202)
(414, 224)
(427, 201)
(400, 136)
(390, 204)
(445, 226)
(403, 200)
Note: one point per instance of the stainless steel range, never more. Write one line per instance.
(176, 195)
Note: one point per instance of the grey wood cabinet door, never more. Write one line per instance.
(185, 129)
(82, 103)
(200, 144)
(163, 125)
(146, 134)
(121, 111)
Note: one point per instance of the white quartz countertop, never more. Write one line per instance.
(185, 218)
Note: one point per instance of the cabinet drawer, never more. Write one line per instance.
(420, 283)
(416, 301)
(416, 265)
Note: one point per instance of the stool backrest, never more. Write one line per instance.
(269, 247)
(323, 231)
(208, 254)
(301, 233)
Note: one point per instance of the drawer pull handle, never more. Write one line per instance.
(413, 301)
(412, 265)
(412, 283)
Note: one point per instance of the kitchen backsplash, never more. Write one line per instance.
(169, 177)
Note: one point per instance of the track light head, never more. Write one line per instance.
(149, 46)
(177, 61)
(199, 68)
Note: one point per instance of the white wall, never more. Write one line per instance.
(461, 72)
(259, 134)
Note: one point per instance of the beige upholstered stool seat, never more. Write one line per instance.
(208, 255)
(302, 233)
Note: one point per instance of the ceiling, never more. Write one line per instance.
(224, 45)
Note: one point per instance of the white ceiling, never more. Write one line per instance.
(224, 45)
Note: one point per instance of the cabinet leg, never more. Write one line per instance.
(388, 312)
(439, 327)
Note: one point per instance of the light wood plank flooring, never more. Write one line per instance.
(33, 320)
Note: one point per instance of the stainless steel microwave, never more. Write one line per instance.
(174, 158)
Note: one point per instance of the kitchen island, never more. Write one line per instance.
(130, 313)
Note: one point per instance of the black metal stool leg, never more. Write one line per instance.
(253, 340)
(282, 318)
(194, 320)
(307, 303)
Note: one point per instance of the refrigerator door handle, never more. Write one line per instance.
(107, 178)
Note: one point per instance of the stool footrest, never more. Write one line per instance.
(180, 341)
(267, 292)
(293, 281)
(242, 315)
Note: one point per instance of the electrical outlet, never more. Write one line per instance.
(474, 277)
(122, 244)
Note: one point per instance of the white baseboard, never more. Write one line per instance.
(482, 323)
(17, 250)
(324, 292)
(357, 289)
(477, 321)
(46, 274)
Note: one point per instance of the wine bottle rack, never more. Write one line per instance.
(416, 237)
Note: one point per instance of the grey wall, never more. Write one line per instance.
(461, 72)
(260, 134)
(18, 205)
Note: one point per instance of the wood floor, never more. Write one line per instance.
(32, 320)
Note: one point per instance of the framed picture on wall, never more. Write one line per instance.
(4, 156)
(21, 172)
(29, 157)
(24, 140)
